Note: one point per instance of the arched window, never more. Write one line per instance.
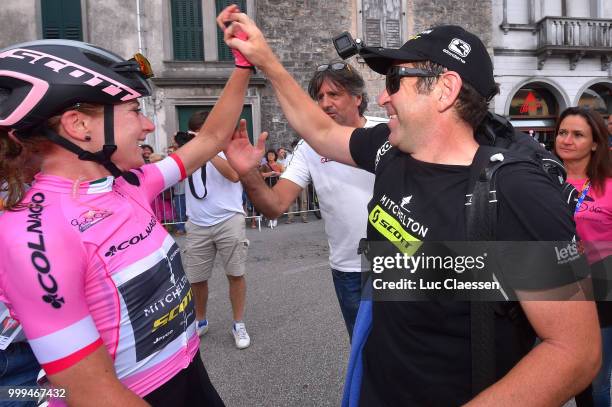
(597, 97)
(534, 110)
(533, 101)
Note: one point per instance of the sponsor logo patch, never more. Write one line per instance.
(133, 240)
(406, 201)
(458, 49)
(393, 231)
(382, 151)
(568, 253)
(39, 253)
(90, 218)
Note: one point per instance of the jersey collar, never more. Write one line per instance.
(64, 185)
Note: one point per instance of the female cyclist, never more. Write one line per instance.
(95, 280)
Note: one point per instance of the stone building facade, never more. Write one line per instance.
(299, 31)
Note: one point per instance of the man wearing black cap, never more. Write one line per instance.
(438, 86)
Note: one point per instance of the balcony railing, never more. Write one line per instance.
(576, 38)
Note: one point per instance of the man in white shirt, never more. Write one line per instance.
(301, 203)
(284, 158)
(216, 226)
(343, 191)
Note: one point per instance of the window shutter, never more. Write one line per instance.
(61, 19)
(187, 30)
(51, 19)
(393, 38)
(382, 23)
(73, 29)
(372, 20)
(225, 54)
(372, 32)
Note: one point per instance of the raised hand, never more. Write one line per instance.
(223, 21)
(254, 47)
(241, 154)
(225, 15)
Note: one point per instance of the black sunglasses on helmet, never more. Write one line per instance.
(396, 73)
(138, 63)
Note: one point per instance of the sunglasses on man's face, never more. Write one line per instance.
(337, 66)
(396, 73)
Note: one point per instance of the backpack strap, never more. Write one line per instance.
(481, 199)
(481, 220)
(482, 342)
(478, 215)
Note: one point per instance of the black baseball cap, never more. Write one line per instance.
(448, 45)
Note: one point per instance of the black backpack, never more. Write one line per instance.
(500, 145)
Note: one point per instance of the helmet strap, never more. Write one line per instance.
(102, 157)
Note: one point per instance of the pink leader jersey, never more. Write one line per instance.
(594, 220)
(86, 265)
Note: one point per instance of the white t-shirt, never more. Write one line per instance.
(285, 162)
(223, 199)
(344, 193)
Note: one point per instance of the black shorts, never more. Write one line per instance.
(190, 387)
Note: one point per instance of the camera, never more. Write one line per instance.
(346, 46)
(183, 137)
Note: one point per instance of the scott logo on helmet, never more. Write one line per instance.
(38, 257)
(74, 71)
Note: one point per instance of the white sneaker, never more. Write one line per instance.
(241, 337)
(202, 327)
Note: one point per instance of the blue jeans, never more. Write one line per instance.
(601, 383)
(348, 291)
(179, 212)
(18, 367)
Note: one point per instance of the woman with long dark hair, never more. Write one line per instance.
(582, 144)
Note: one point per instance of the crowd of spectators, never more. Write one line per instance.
(170, 206)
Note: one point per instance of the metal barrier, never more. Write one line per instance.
(170, 208)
